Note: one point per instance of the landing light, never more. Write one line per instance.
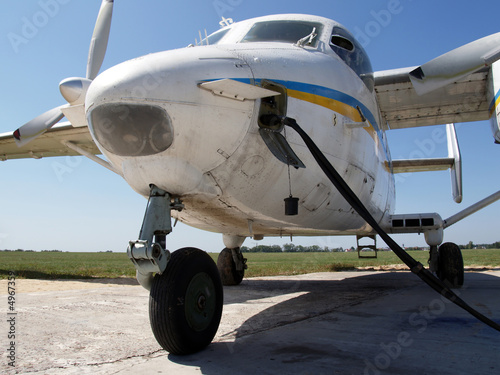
(132, 129)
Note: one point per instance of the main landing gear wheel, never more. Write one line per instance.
(450, 265)
(185, 303)
(227, 268)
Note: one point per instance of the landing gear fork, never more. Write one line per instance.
(149, 254)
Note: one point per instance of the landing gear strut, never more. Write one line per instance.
(186, 296)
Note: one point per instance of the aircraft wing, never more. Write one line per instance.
(460, 101)
(49, 144)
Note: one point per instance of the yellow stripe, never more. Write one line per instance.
(332, 104)
(495, 106)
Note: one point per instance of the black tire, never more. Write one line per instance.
(185, 302)
(229, 275)
(450, 265)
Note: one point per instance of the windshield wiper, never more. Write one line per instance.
(307, 39)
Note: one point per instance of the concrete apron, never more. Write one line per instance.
(325, 323)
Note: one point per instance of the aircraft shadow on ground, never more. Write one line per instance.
(314, 299)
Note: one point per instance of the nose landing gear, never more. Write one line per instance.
(186, 296)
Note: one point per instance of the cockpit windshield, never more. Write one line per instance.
(214, 38)
(283, 31)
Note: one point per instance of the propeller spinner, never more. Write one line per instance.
(73, 89)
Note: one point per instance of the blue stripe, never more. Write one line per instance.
(332, 94)
(338, 96)
(492, 105)
(327, 93)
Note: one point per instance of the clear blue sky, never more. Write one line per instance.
(91, 209)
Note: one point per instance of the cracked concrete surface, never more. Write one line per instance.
(327, 323)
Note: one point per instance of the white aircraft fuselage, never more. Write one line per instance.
(157, 124)
(201, 132)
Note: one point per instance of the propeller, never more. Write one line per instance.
(456, 64)
(38, 126)
(99, 41)
(73, 89)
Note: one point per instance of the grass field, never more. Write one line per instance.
(58, 265)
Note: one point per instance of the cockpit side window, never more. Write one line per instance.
(283, 31)
(349, 50)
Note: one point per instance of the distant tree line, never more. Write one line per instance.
(292, 248)
(32, 251)
(471, 245)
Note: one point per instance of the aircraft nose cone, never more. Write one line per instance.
(150, 117)
(132, 129)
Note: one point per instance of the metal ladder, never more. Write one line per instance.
(363, 248)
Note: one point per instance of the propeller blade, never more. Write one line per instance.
(38, 126)
(100, 37)
(456, 64)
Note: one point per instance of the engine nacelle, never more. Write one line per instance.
(495, 100)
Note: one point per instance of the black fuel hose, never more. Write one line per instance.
(344, 189)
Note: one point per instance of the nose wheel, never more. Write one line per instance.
(185, 303)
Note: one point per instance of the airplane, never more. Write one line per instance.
(273, 126)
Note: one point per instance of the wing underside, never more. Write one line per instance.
(49, 144)
(401, 107)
